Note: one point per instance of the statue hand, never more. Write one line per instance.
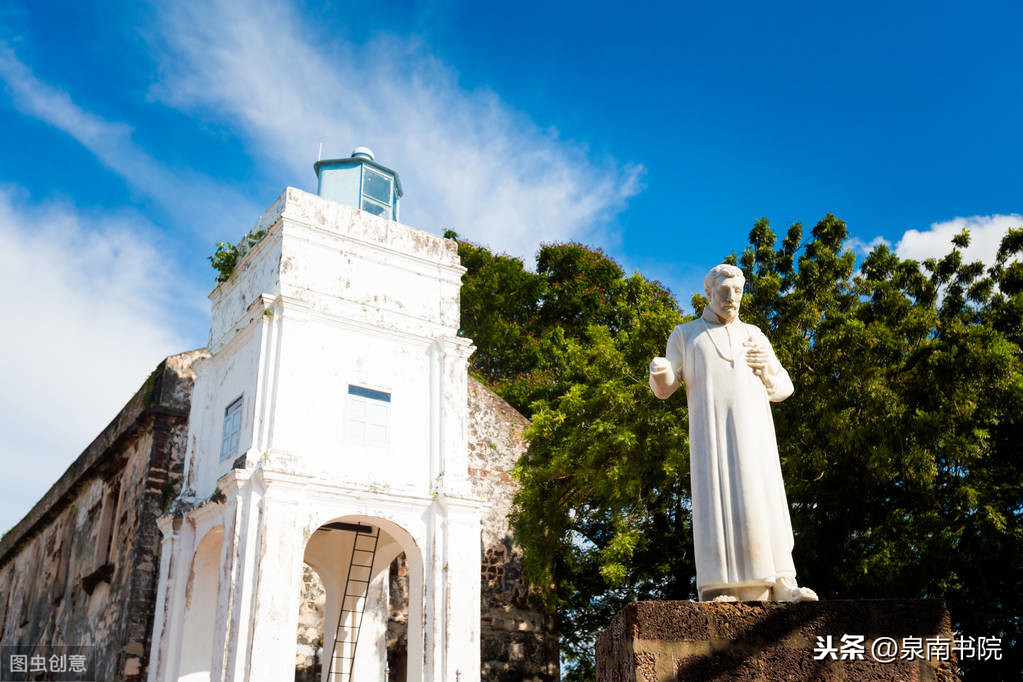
(659, 366)
(663, 381)
(758, 358)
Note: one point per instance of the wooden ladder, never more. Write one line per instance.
(353, 599)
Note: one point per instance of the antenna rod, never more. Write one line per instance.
(319, 154)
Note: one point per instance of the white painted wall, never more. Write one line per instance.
(330, 297)
(314, 307)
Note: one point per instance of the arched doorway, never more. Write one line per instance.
(354, 557)
(201, 596)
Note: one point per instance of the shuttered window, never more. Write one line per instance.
(232, 427)
(369, 414)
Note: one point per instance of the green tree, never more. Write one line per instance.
(568, 346)
(901, 446)
(908, 384)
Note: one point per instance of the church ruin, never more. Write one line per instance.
(319, 494)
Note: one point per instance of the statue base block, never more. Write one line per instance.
(767, 641)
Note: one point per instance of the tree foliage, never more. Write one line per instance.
(568, 346)
(902, 446)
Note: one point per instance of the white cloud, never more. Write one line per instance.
(468, 161)
(89, 312)
(863, 248)
(185, 192)
(986, 234)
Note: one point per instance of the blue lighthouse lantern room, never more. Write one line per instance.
(361, 182)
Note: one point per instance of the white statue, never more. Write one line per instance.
(741, 528)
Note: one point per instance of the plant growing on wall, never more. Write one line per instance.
(225, 259)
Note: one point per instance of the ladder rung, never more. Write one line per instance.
(347, 638)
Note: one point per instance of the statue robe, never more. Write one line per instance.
(741, 527)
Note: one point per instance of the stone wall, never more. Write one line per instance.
(397, 621)
(762, 641)
(518, 638)
(309, 655)
(81, 567)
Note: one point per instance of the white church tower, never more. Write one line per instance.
(327, 427)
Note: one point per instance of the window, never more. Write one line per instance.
(376, 192)
(104, 547)
(368, 416)
(232, 427)
(105, 534)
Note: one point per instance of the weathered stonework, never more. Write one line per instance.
(309, 655)
(397, 621)
(764, 641)
(517, 638)
(80, 568)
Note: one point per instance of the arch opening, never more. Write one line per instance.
(361, 607)
(201, 595)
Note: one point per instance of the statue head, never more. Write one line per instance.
(723, 285)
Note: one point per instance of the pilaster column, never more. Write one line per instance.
(462, 579)
(242, 535)
(274, 616)
(170, 528)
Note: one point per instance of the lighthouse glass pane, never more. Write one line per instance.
(376, 186)
(343, 184)
(375, 208)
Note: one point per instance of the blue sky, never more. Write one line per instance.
(135, 135)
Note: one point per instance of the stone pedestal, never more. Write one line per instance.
(767, 641)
